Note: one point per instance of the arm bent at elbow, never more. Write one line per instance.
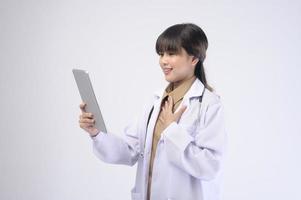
(199, 155)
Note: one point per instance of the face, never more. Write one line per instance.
(177, 67)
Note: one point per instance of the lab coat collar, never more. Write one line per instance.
(195, 90)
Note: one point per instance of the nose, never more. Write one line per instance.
(164, 59)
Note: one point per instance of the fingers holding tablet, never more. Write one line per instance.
(87, 121)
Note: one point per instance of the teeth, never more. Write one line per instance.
(167, 70)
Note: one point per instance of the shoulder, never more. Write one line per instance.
(213, 110)
(211, 98)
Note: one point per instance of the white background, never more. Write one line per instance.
(252, 62)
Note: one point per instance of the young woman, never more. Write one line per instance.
(179, 139)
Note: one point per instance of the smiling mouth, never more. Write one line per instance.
(167, 70)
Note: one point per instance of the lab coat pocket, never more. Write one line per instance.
(136, 195)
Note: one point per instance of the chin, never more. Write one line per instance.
(169, 79)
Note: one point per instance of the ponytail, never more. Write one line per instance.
(199, 72)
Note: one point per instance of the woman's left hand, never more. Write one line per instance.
(167, 116)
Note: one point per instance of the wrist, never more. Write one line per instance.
(167, 124)
(94, 135)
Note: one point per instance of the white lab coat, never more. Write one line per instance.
(189, 154)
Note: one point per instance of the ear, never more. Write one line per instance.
(194, 61)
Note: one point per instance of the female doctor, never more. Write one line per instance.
(178, 141)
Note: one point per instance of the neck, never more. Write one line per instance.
(178, 83)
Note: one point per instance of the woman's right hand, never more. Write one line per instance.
(87, 121)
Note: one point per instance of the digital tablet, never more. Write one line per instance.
(87, 94)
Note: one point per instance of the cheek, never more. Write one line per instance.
(179, 66)
(181, 69)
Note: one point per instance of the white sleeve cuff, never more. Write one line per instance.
(98, 136)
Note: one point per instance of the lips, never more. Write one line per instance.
(167, 70)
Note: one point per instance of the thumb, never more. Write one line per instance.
(180, 112)
(82, 107)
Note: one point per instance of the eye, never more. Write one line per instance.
(168, 53)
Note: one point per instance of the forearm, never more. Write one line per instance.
(110, 148)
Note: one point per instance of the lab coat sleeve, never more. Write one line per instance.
(114, 149)
(199, 155)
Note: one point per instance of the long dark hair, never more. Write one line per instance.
(192, 38)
